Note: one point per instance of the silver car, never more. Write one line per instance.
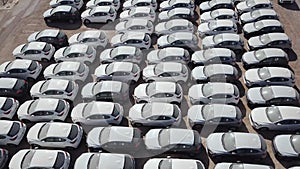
(11, 132)
(251, 5)
(139, 3)
(262, 27)
(257, 15)
(174, 25)
(185, 40)
(176, 13)
(135, 25)
(270, 40)
(172, 163)
(215, 92)
(168, 54)
(241, 165)
(215, 4)
(214, 27)
(137, 39)
(40, 51)
(213, 56)
(113, 3)
(99, 14)
(267, 76)
(8, 107)
(278, 118)
(94, 38)
(154, 114)
(55, 134)
(219, 14)
(146, 13)
(287, 146)
(171, 4)
(121, 54)
(97, 113)
(43, 109)
(224, 40)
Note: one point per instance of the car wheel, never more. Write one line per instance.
(86, 21)
(109, 21)
(35, 146)
(263, 129)
(45, 60)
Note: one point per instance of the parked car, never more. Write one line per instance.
(11, 132)
(168, 54)
(97, 113)
(75, 3)
(8, 107)
(69, 70)
(55, 134)
(174, 25)
(172, 163)
(219, 14)
(43, 109)
(267, 76)
(215, 4)
(32, 158)
(214, 92)
(53, 36)
(106, 91)
(262, 27)
(121, 54)
(257, 15)
(241, 165)
(276, 118)
(55, 88)
(94, 38)
(265, 57)
(113, 3)
(213, 56)
(171, 4)
(176, 13)
(77, 52)
(13, 87)
(286, 146)
(118, 71)
(99, 14)
(114, 139)
(154, 114)
(167, 92)
(166, 71)
(272, 95)
(4, 157)
(215, 73)
(21, 68)
(270, 40)
(135, 25)
(40, 51)
(236, 145)
(94, 160)
(286, 1)
(224, 40)
(61, 13)
(251, 5)
(139, 3)
(136, 39)
(173, 140)
(214, 27)
(146, 13)
(221, 115)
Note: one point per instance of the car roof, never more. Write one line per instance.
(261, 1)
(136, 21)
(69, 66)
(287, 113)
(108, 160)
(279, 72)
(173, 51)
(180, 10)
(133, 35)
(101, 9)
(100, 108)
(270, 22)
(184, 163)
(141, 9)
(180, 1)
(159, 109)
(247, 140)
(122, 66)
(8, 82)
(215, 52)
(222, 23)
(62, 8)
(229, 37)
(118, 133)
(265, 12)
(270, 52)
(48, 33)
(224, 11)
(46, 104)
(219, 110)
(59, 129)
(110, 86)
(164, 87)
(219, 69)
(20, 64)
(179, 22)
(54, 84)
(284, 91)
(224, 88)
(5, 126)
(171, 66)
(182, 136)
(91, 34)
(43, 158)
(182, 35)
(125, 50)
(35, 45)
(77, 48)
(278, 36)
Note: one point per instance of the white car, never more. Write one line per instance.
(257, 15)
(40, 158)
(40, 51)
(173, 163)
(286, 146)
(99, 14)
(171, 4)
(219, 14)
(154, 114)
(185, 40)
(214, 27)
(55, 88)
(136, 39)
(167, 92)
(138, 12)
(267, 76)
(261, 27)
(176, 13)
(113, 3)
(75, 3)
(166, 71)
(241, 165)
(11, 132)
(215, 4)
(77, 52)
(104, 160)
(118, 71)
(67, 70)
(174, 25)
(168, 54)
(213, 56)
(135, 25)
(215, 73)
(139, 3)
(21, 68)
(8, 107)
(273, 40)
(121, 54)
(94, 38)
(215, 92)
(97, 113)
(43, 109)
(55, 134)
(278, 118)
(251, 5)
(224, 40)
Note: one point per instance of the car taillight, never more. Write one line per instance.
(116, 118)
(135, 74)
(89, 56)
(14, 138)
(32, 72)
(69, 94)
(60, 113)
(81, 75)
(7, 112)
(47, 53)
(73, 141)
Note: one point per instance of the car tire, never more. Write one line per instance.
(109, 21)
(45, 60)
(86, 21)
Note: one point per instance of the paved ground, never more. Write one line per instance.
(26, 17)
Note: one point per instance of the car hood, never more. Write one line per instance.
(127, 4)
(49, 70)
(59, 53)
(52, 2)
(242, 6)
(91, 3)
(32, 37)
(249, 57)
(195, 92)
(194, 113)
(246, 17)
(160, 27)
(203, 27)
(85, 13)
(23, 109)
(249, 27)
(214, 143)
(164, 4)
(47, 13)
(93, 137)
(77, 111)
(163, 40)
(135, 112)
(204, 6)
(198, 73)
(140, 90)
(149, 71)
(259, 116)
(17, 159)
(254, 95)
(255, 42)
(151, 139)
(35, 89)
(205, 16)
(208, 41)
(100, 71)
(252, 75)
(153, 56)
(17, 50)
(283, 145)
(3, 66)
(163, 15)
(116, 39)
(124, 14)
(82, 161)
(120, 26)
(105, 54)
(198, 56)
(73, 39)
(32, 134)
(87, 90)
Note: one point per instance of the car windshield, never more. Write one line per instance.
(250, 3)
(43, 131)
(70, 87)
(171, 2)
(57, 68)
(295, 140)
(93, 162)
(89, 50)
(207, 89)
(32, 66)
(218, 38)
(209, 70)
(228, 141)
(255, 13)
(207, 111)
(81, 68)
(67, 51)
(109, 68)
(165, 164)
(124, 37)
(27, 159)
(215, 13)
(60, 160)
(175, 112)
(146, 110)
(14, 129)
(258, 25)
(273, 113)
(169, 24)
(47, 47)
(212, 25)
(73, 133)
(267, 93)
(7, 105)
(164, 137)
(236, 166)
(60, 106)
(265, 39)
(264, 73)
(104, 135)
(212, 2)
(158, 69)
(260, 55)
(132, 11)
(150, 88)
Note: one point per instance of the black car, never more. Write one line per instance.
(53, 36)
(3, 157)
(13, 87)
(262, 27)
(62, 13)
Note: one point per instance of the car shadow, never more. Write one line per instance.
(103, 26)
(65, 25)
(242, 107)
(287, 163)
(291, 6)
(292, 55)
(241, 88)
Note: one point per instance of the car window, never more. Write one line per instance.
(7, 105)
(60, 160)
(53, 92)
(42, 113)
(93, 162)
(97, 116)
(2, 137)
(70, 87)
(60, 106)
(116, 111)
(73, 133)
(54, 139)
(14, 129)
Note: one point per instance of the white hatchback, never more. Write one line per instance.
(99, 14)
(11, 132)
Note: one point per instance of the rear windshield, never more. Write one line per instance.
(60, 106)
(60, 160)
(27, 159)
(14, 130)
(89, 50)
(93, 162)
(73, 133)
(47, 47)
(19, 84)
(7, 105)
(175, 112)
(116, 111)
(81, 68)
(165, 164)
(70, 87)
(128, 164)
(32, 66)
